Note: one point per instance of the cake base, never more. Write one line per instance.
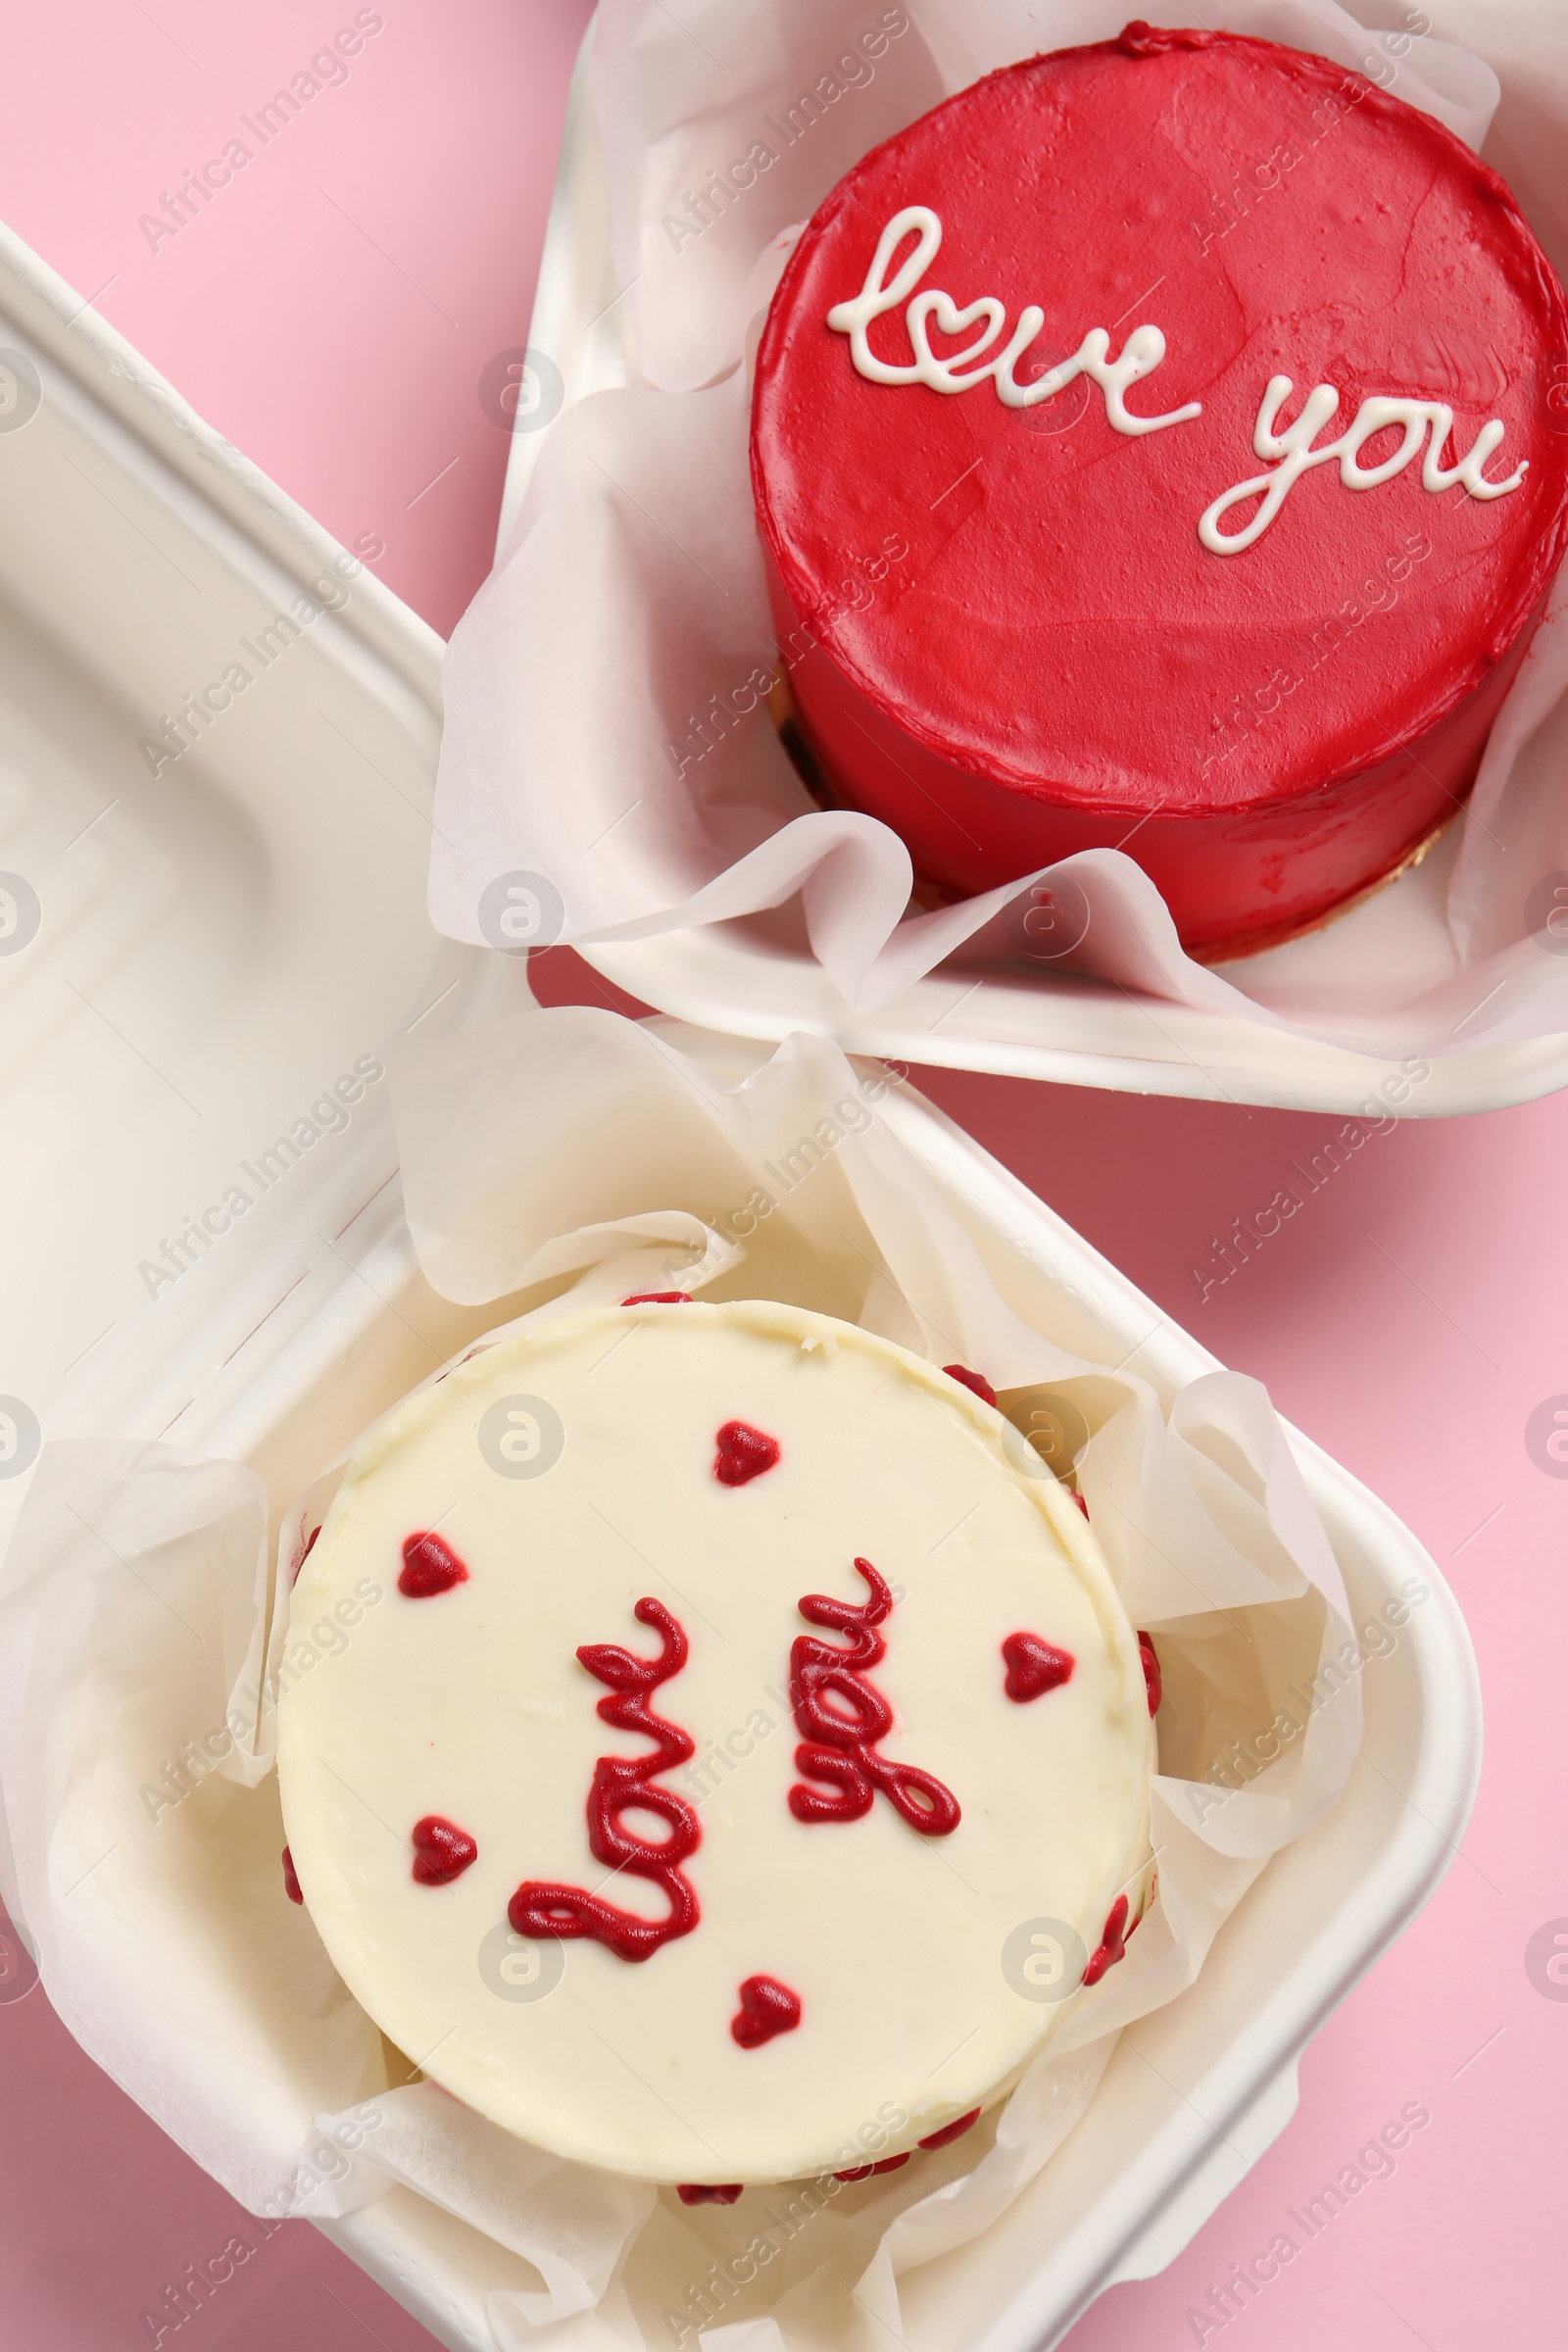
(1236, 882)
(741, 1753)
(929, 894)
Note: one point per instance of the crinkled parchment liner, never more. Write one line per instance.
(633, 592)
(572, 1158)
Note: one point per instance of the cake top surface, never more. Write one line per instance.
(724, 1693)
(1044, 335)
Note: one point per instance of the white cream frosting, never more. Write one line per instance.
(471, 1704)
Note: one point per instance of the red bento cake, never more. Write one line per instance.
(1071, 543)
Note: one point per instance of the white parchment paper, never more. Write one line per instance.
(631, 592)
(556, 1160)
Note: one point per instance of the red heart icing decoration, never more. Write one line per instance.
(1146, 1650)
(695, 2192)
(973, 1379)
(743, 1453)
(950, 2131)
(291, 1884)
(766, 2008)
(1034, 1667)
(1112, 1943)
(430, 1566)
(442, 1851)
(863, 2171)
(659, 1299)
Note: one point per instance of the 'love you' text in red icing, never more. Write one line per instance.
(622, 1785)
(842, 1718)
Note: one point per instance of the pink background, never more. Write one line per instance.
(331, 311)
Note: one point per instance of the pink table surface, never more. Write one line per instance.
(331, 311)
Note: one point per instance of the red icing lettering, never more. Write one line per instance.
(659, 1299)
(743, 1453)
(842, 1718)
(694, 2192)
(950, 2131)
(973, 1379)
(863, 2171)
(430, 1566)
(442, 1851)
(1146, 1650)
(291, 1884)
(622, 1785)
(766, 2008)
(1033, 1667)
(1112, 1943)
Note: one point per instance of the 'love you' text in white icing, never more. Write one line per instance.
(1415, 420)
(1141, 354)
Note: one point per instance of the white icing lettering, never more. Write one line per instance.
(1294, 451)
(1141, 354)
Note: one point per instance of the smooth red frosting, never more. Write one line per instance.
(1057, 658)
